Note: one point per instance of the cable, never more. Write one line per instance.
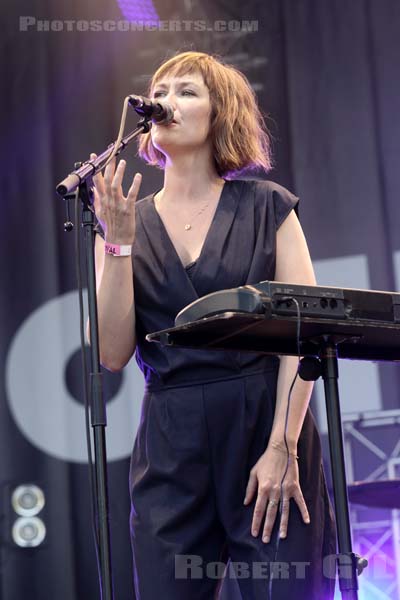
(285, 299)
(120, 133)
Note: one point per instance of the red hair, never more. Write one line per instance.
(240, 139)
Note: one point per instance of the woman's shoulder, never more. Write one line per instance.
(265, 191)
(270, 198)
(262, 186)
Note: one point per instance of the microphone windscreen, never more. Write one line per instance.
(165, 116)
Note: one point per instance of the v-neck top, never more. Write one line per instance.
(239, 249)
(190, 269)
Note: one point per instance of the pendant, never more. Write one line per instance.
(188, 226)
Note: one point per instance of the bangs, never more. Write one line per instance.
(178, 66)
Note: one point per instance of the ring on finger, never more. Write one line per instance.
(273, 503)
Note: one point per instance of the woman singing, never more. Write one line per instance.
(211, 449)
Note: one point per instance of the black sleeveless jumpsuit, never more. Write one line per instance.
(206, 419)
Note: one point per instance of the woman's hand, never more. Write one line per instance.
(265, 478)
(115, 213)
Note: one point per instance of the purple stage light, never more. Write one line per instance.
(138, 10)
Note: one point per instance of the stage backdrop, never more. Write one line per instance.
(326, 74)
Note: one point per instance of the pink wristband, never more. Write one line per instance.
(117, 250)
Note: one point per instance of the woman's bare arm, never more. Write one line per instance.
(293, 264)
(274, 478)
(115, 308)
(114, 274)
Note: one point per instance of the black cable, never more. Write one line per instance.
(284, 435)
(86, 389)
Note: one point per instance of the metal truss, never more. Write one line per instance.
(372, 453)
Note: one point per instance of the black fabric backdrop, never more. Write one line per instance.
(326, 72)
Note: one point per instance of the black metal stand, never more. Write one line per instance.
(98, 407)
(79, 181)
(348, 563)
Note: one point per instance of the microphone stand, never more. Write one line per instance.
(91, 167)
(78, 183)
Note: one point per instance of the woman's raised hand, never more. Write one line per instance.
(115, 213)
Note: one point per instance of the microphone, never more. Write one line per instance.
(160, 112)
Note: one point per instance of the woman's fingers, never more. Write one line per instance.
(273, 489)
(116, 183)
(98, 178)
(301, 503)
(272, 509)
(251, 487)
(115, 213)
(259, 512)
(283, 527)
(134, 189)
(109, 176)
(111, 184)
